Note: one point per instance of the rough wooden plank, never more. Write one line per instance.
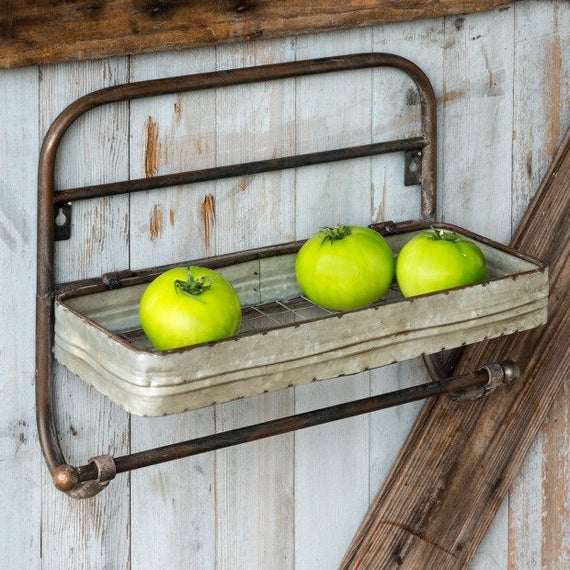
(476, 171)
(44, 31)
(541, 95)
(95, 148)
(254, 483)
(20, 459)
(170, 134)
(460, 459)
(539, 535)
(330, 113)
(539, 521)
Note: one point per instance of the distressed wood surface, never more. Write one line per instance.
(478, 67)
(169, 134)
(99, 243)
(195, 513)
(35, 32)
(472, 452)
(254, 529)
(321, 469)
(21, 466)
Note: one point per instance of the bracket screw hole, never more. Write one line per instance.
(414, 164)
(60, 218)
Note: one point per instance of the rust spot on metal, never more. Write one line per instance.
(172, 215)
(151, 149)
(155, 225)
(208, 217)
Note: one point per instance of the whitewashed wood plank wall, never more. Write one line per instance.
(502, 80)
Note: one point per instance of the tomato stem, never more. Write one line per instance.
(444, 235)
(334, 234)
(193, 286)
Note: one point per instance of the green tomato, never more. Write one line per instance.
(344, 268)
(438, 260)
(189, 305)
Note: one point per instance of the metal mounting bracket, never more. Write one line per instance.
(412, 167)
(62, 222)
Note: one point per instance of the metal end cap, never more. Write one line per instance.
(511, 371)
(65, 478)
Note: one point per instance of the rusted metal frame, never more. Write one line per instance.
(48, 200)
(255, 167)
(287, 424)
(499, 374)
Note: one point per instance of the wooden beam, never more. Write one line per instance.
(35, 32)
(460, 459)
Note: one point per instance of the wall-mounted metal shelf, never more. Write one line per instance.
(92, 325)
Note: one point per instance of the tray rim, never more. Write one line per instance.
(130, 278)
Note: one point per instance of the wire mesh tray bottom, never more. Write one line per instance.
(285, 340)
(267, 316)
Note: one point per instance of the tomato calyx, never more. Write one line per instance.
(334, 234)
(192, 286)
(443, 235)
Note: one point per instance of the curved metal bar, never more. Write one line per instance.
(67, 477)
(47, 197)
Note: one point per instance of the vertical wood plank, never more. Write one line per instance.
(556, 483)
(493, 552)
(254, 489)
(476, 156)
(94, 532)
(539, 509)
(389, 428)
(254, 483)
(477, 115)
(169, 134)
(538, 512)
(541, 86)
(423, 43)
(20, 460)
(268, 504)
(396, 114)
(331, 461)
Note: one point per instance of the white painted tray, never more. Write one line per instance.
(285, 340)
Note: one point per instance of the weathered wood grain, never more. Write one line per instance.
(539, 530)
(477, 154)
(21, 466)
(169, 134)
(326, 195)
(33, 32)
(460, 459)
(89, 424)
(254, 483)
(159, 531)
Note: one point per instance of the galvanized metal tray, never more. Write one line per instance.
(285, 340)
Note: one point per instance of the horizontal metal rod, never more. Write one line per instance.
(287, 424)
(220, 172)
